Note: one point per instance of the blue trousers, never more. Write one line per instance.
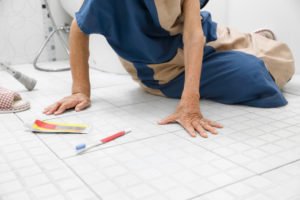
(233, 77)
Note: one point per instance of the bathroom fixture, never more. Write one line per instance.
(29, 83)
(56, 30)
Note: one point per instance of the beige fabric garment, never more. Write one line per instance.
(170, 15)
(129, 67)
(276, 55)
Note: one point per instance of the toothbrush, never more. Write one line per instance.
(81, 148)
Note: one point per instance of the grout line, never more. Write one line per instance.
(82, 180)
(125, 105)
(234, 182)
(241, 131)
(278, 167)
(75, 173)
(131, 104)
(121, 144)
(30, 193)
(217, 154)
(221, 187)
(168, 132)
(63, 159)
(292, 93)
(72, 113)
(129, 170)
(238, 163)
(65, 164)
(242, 180)
(238, 181)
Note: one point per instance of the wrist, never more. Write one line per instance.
(189, 100)
(81, 90)
(188, 94)
(191, 87)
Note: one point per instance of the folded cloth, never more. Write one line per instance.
(11, 102)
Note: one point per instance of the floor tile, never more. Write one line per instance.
(122, 95)
(279, 184)
(255, 157)
(27, 166)
(293, 86)
(153, 169)
(103, 123)
(39, 102)
(257, 140)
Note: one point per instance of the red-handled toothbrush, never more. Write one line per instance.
(81, 148)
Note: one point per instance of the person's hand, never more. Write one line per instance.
(78, 101)
(188, 115)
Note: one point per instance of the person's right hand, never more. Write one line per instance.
(78, 101)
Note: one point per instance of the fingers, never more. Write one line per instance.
(189, 128)
(193, 124)
(168, 120)
(214, 124)
(209, 128)
(77, 101)
(200, 129)
(65, 106)
(51, 109)
(81, 106)
(200, 125)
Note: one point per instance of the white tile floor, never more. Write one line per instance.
(255, 157)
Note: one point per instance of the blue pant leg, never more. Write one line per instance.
(232, 77)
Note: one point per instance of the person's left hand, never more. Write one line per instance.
(188, 115)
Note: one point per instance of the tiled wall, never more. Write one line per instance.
(22, 30)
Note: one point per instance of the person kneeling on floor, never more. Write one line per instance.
(173, 49)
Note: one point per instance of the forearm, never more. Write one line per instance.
(79, 56)
(194, 40)
(193, 53)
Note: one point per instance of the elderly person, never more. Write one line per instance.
(172, 49)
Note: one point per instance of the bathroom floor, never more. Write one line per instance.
(255, 157)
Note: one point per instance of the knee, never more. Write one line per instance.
(265, 92)
(243, 79)
(252, 70)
